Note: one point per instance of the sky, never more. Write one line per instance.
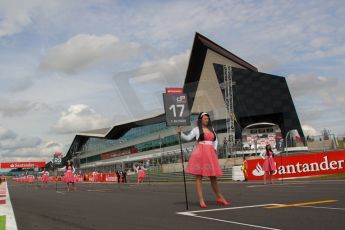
(70, 66)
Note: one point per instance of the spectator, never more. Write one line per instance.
(244, 168)
(124, 176)
(118, 176)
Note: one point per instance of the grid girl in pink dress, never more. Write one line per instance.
(203, 160)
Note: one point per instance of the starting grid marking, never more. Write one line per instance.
(192, 214)
(300, 205)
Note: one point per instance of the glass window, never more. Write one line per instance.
(262, 130)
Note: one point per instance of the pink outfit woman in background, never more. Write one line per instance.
(69, 177)
(45, 178)
(269, 163)
(141, 175)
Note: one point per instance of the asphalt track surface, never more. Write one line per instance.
(308, 205)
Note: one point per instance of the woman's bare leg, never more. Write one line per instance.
(198, 185)
(271, 177)
(215, 187)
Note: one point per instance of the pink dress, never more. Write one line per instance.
(69, 177)
(30, 179)
(141, 175)
(204, 160)
(45, 177)
(269, 163)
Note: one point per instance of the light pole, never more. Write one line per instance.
(286, 153)
(286, 148)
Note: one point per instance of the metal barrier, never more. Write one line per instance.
(172, 158)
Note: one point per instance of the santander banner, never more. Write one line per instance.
(302, 165)
(39, 164)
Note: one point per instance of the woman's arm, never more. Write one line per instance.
(275, 152)
(215, 143)
(192, 134)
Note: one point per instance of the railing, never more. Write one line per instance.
(154, 176)
(290, 145)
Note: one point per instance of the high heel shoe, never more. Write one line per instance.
(203, 205)
(221, 202)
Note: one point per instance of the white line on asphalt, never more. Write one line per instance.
(98, 190)
(238, 223)
(192, 214)
(7, 210)
(277, 184)
(222, 209)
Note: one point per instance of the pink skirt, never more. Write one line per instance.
(269, 164)
(204, 161)
(69, 177)
(45, 178)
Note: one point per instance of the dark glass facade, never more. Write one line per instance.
(260, 97)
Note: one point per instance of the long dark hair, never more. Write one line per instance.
(71, 164)
(209, 126)
(269, 149)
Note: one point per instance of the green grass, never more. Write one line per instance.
(2, 222)
(340, 176)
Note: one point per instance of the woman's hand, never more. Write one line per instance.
(178, 130)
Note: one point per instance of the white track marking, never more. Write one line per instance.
(193, 214)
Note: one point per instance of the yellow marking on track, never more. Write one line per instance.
(301, 204)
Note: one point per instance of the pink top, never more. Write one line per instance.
(141, 173)
(209, 136)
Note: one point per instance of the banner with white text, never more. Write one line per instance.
(302, 165)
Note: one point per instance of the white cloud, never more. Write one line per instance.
(79, 118)
(84, 50)
(11, 108)
(22, 84)
(25, 148)
(172, 69)
(329, 90)
(14, 17)
(39, 152)
(6, 134)
(319, 101)
(20, 143)
(140, 90)
(310, 131)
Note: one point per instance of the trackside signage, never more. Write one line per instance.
(23, 164)
(302, 165)
(174, 90)
(176, 107)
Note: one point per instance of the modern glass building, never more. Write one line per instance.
(262, 105)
